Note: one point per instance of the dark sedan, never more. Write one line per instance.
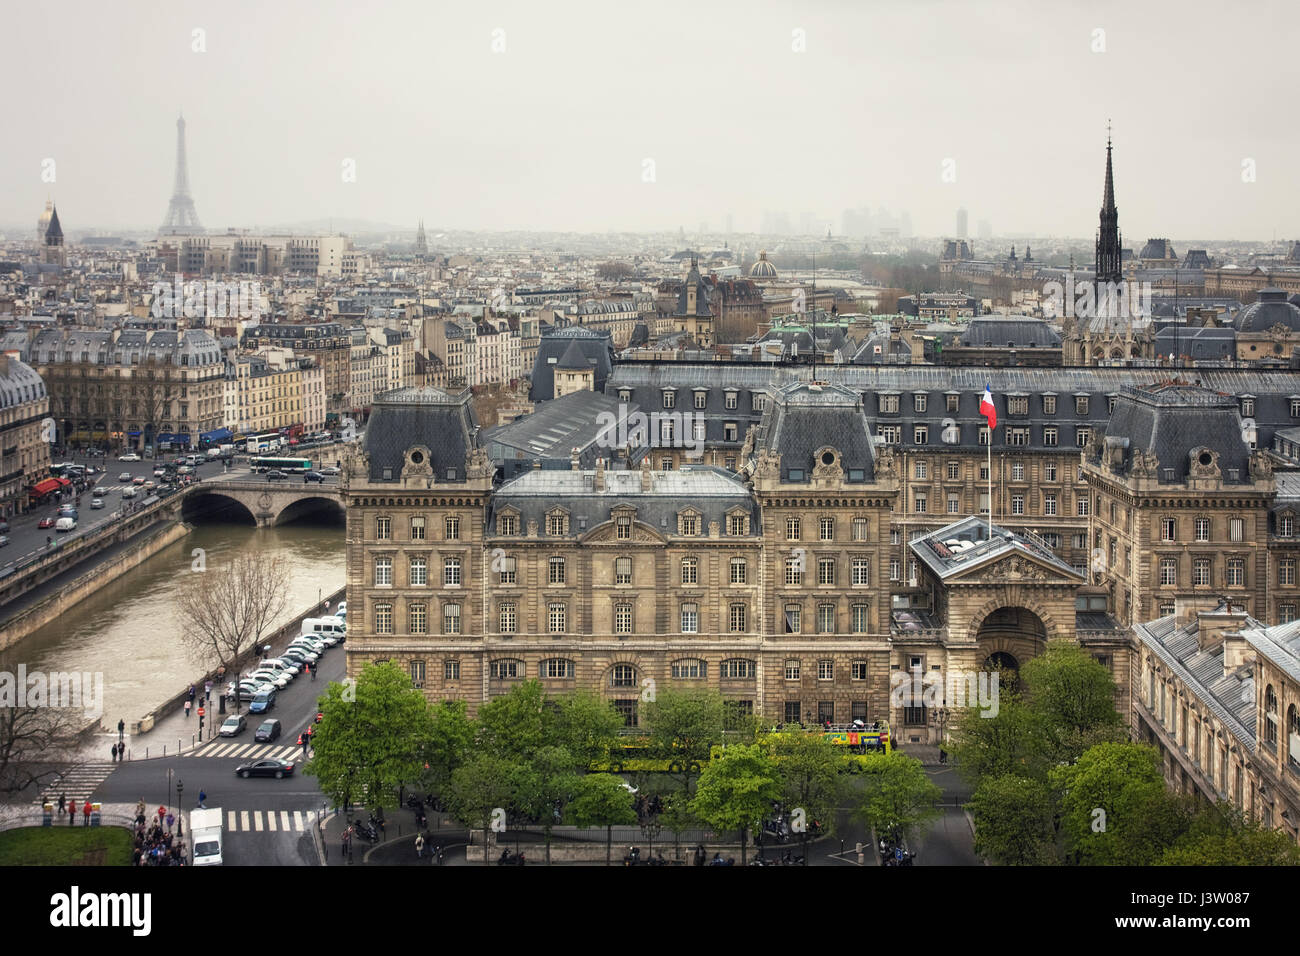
(276, 476)
(314, 476)
(265, 768)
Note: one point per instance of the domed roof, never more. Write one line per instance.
(762, 269)
(19, 384)
(1271, 309)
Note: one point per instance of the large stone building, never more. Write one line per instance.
(129, 388)
(24, 441)
(329, 343)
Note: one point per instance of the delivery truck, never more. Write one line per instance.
(205, 832)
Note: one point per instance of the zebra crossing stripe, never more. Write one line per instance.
(243, 819)
(257, 821)
(270, 821)
(231, 820)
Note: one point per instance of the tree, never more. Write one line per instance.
(515, 724)
(811, 778)
(1222, 835)
(226, 610)
(372, 741)
(613, 270)
(481, 791)
(450, 739)
(897, 795)
(736, 791)
(544, 784)
(586, 725)
(1014, 821)
(1073, 698)
(686, 725)
(992, 746)
(1114, 810)
(34, 741)
(601, 799)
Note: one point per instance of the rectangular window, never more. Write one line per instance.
(451, 572)
(451, 670)
(1236, 572)
(984, 435)
(1017, 404)
(861, 572)
(1017, 436)
(793, 712)
(555, 617)
(623, 528)
(1081, 436)
(1017, 471)
(954, 471)
(1049, 404)
(952, 402)
(738, 571)
(507, 524)
(792, 670)
(507, 572)
(417, 618)
(627, 708)
(1286, 614)
(825, 618)
(383, 572)
(794, 570)
(505, 670)
(384, 529)
(670, 399)
(826, 529)
(861, 618)
(690, 618)
(417, 528)
(889, 434)
(688, 670)
(736, 619)
(701, 399)
(1081, 404)
(690, 525)
(889, 403)
(919, 402)
(825, 570)
(731, 399)
(895, 570)
(383, 619)
(690, 571)
(1286, 572)
(954, 504)
(1236, 529)
(792, 529)
(1049, 471)
(736, 524)
(622, 618)
(559, 669)
(1168, 571)
(1168, 529)
(555, 570)
(1081, 506)
(417, 673)
(793, 619)
(1049, 505)
(622, 570)
(860, 529)
(1201, 529)
(1201, 572)
(922, 503)
(451, 619)
(1049, 436)
(507, 618)
(419, 572)
(1017, 504)
(921, 435)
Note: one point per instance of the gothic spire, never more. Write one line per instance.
(1109, 265)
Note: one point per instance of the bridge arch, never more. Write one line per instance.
(313, 506)
(200, 506)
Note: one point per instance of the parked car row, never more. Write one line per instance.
(276, 673)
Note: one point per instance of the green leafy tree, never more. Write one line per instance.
(685, 725)
(515, 724)
(811, 778)
(897, 795)
(1223, 836)
(372, 741)
(676, 815)
(586, 725)
(601, 800)
(544, 784)
(482, 791)
(1014, 821)
(736, 791)
(1007, 743)
(1114, 810)
(1073, 699)
(448, 744)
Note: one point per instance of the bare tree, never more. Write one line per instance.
(228, 609)
(34, 741)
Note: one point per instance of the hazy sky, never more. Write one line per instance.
(553, 131)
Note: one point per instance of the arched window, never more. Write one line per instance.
(689, 668)
(622, 675)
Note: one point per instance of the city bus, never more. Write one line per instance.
(256, 444)
(290, 466)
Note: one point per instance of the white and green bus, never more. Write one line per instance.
(290, 466)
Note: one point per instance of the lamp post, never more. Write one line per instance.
(180, 789)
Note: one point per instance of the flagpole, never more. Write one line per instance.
(990, 484)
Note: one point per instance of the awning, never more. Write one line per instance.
(46, 486)
(220, 434)
(63, 481)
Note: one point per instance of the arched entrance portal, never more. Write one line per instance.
(1007, 638)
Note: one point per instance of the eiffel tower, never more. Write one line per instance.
(181, 217)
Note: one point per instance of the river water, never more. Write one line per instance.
(130, 630)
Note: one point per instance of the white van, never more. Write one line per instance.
(66, 524)
(324, 628)
(205, 831)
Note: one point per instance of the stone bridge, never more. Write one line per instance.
(265, 502)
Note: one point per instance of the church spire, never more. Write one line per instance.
(1109, 265)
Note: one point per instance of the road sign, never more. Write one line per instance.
(201, 711)
(898, 853)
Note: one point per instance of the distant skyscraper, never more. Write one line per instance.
(181, 217)
(1109, 250)
(961, 223)
(985, 229)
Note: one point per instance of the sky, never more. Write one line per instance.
(552, 116)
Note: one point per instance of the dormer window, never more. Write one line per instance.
(688, 523)
(670, 398)
(557, 522)
(625, 395)
(1248, 408)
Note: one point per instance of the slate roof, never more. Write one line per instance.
(574, 359)
(967, 543)
(54, 231)
(556, 428)
(1173, 421)
(20, 384)
(1199, 342)
(711, 492)
(1272, 308)
(442, 422)
(1020, 332)
(596, 345)
(1280, 644)
(1230, 696)
(804, 418)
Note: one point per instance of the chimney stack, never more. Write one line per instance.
(600, 474)
(574, 463)
(647, 482)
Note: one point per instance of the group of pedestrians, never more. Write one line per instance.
(70, 807)
(118, 751)
(435, 849)
(156, 845)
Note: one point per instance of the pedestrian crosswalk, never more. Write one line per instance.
(270, 821)
(221, 749)
(76, 783)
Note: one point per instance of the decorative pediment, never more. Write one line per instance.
(1018, 568)
(606, 533)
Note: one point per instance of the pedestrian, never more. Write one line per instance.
(72, 812)
(419, 846)
(187, 708)
(313, 672)
(63, 802)
(207, 691)
(114, 758)
(85, 811)
(191, 692)
(121, 729)
(203, 797)
(943, 755)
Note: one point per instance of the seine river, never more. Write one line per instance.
(130, 631)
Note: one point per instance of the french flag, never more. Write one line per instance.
(987, 408)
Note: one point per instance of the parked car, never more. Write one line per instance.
(47, 522)
(159, 471)
(265, 768)
(276, 475)
(300, 655)
(290, 666)
(281, 681)
(4, 540)
(262, 702)
(129, 456)
(96, 503)
(267, 731)
(233, 726)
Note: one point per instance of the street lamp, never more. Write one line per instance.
(180, 789)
